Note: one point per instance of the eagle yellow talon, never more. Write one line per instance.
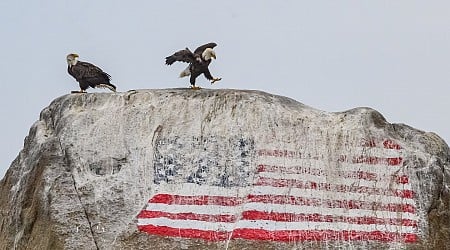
(215, 80)
(195, 87)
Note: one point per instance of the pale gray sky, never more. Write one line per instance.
(392, 56)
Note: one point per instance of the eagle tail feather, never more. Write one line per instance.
(107, 86)
(185, 72)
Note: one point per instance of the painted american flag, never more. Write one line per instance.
(293, 196)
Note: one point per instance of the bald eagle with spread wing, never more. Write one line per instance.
(88, 75)
(198, 60)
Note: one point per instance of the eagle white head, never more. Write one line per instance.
(72, 59)
(208, 53)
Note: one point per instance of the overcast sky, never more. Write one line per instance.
(392, 56)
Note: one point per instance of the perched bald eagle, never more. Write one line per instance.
(88, 75)
(198, 61)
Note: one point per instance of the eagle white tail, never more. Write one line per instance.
(185, 72)
(106, 86)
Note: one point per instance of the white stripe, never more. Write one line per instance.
(271, 225)
(331, 166)
(330, 195)
(300, 209)
(337, 180)
(188, 224)
(338, 226)
(324, 168)
(278, 208)
(197, 209)
(192, 189)
(374, 151)
(348, 151)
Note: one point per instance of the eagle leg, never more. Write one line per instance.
(78, 92)
(195, 87)
(215, 80)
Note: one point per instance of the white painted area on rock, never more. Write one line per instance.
(108, 155)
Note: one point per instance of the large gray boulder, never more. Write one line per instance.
(217, 169)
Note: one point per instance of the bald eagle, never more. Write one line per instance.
(88, 75)
(198, 60)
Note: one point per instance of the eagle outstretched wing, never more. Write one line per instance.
(202, 48)
(184, 55)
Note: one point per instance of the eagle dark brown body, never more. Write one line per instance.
(198, 60)
(88, 75)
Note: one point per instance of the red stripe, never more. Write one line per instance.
(369, 143)
(290, 217)
(372, 160)
(146, 214)
(405, 193)
(282, 235)
(322, 235)
(402, 179)
(347, 204)
(263, 181)
(391, 145)
(196, 200)
(185, 233)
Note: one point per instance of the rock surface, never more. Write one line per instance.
(216, 169)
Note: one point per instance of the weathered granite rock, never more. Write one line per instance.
(123, 170)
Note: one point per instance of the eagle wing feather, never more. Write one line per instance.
(184, 55)
(89, 70)
(202, 48)
(89, 74)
